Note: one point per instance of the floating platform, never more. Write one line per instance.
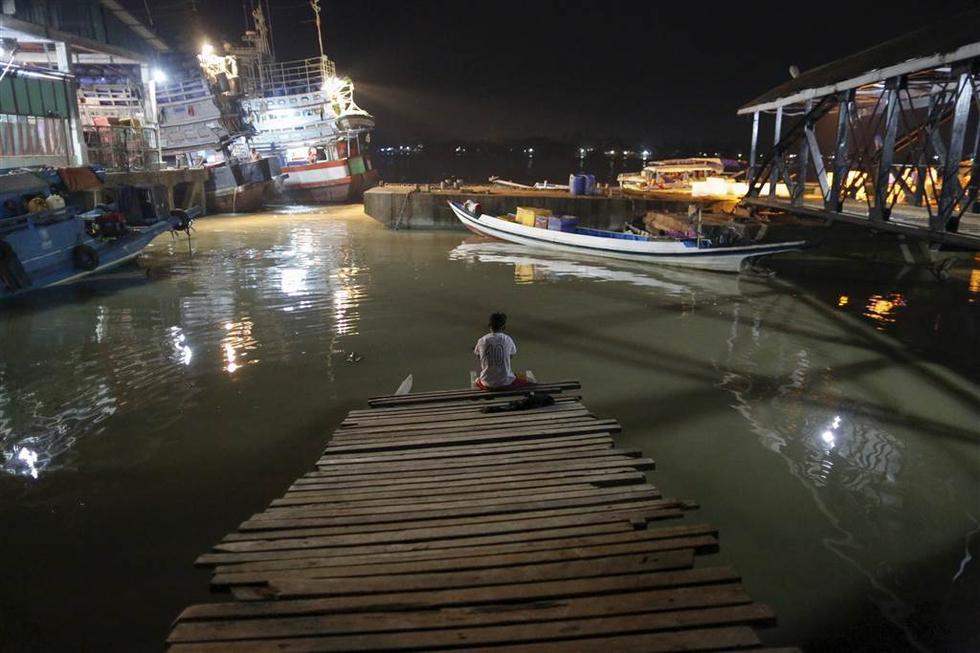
(429, 524)
(403, 206)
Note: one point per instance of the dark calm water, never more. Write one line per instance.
(825, 417)
(477, 167)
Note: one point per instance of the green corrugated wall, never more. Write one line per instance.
(25, 96)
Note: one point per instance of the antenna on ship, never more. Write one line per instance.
(315, 4)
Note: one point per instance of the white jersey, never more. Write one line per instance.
(495, 350)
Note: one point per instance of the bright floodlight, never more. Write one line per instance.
(207, 49)
(159, 75)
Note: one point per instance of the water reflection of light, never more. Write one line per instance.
(29, 458)
(682, 284)
(293, 281)
(974, 282)
(881, 308)
(842, 301)
(848, 462)
(182, 353)
(347, 296)
(100, 321)
(237, 344)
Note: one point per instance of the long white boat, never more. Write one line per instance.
(685, 252)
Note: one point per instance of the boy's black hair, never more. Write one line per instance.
(498, 321)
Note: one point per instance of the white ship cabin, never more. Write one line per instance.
(298, 107)
(672, 173)
(191, 123)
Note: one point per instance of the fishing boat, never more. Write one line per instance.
(241, 187)
(201, 125)
(700, 253)
(46, 242)
(303, 113)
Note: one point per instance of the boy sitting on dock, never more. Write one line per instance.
(495, 350)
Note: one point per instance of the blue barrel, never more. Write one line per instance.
(576, 184)
(590, 184)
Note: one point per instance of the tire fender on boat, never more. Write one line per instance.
(85, 257)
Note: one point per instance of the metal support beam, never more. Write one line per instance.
(777, 162)
(944, 220)
(833, 200)
(817, 158)
(803, 162)
(880, 210)
(75, 136)
(753, 146)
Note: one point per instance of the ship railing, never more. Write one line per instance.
(186, 89)
(122, 148)
(274, 79)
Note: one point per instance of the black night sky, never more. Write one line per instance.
(641, 72)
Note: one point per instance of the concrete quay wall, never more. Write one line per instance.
(406, 208)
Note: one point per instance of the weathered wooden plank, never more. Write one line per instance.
(354, 525)
(321, 546)
(481, 436)
(444, 508)
(708, 639)
(565, 636)
(360, 567)
(464, 395)
(336, 468)
(313, 550)
(457, 527)
(446, 417)
(337, 478)
(424, 483)
(519, 585)
(486, 420)
(428, 496)
(678, 607)
(538, 447)
(602, 478)
(572, 538)
(455, 407)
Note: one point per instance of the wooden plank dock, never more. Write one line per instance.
(432, 524)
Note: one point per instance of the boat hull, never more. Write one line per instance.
(671, 253)
(246, 198)
(326, 182)
(46, 253)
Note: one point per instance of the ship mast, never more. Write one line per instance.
(315, 4)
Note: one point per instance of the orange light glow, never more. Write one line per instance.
(842, 301)
(882, 309)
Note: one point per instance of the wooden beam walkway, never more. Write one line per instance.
(429, 524)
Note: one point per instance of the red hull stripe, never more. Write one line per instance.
(314, 166)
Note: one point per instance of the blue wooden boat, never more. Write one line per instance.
(44, 241)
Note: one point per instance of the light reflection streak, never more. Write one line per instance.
(237, 344)
(882, 308)
(837, 465)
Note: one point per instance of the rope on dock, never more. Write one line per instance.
(430, 524)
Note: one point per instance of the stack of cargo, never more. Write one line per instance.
(527, 215)
(581, 184)
(532, 216)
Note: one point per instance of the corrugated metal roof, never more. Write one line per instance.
(956, 38)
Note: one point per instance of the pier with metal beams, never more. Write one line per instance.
(887, 137)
